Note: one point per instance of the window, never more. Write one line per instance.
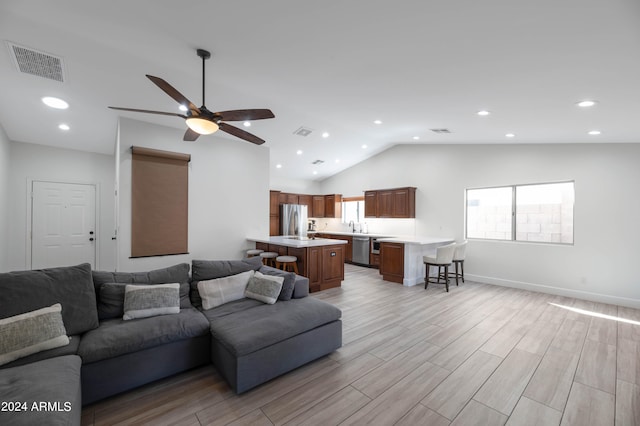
(352, 209)
(537, 212)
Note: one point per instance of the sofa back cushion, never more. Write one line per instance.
(111, 297)
(203, 270)
(71, 286)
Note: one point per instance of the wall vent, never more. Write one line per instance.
(440, 130)
(317, 162)
(40, 64)
(303, 131)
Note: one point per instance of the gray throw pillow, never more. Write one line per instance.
(264, 288)
(143, 301)
(288, 285)
(31, 332)
(202, 270)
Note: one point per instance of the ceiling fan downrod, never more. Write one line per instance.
(204, 54)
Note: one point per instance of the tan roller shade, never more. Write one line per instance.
(159, 202)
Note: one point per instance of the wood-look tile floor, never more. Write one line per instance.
(478, 355)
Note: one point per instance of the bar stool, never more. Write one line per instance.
(254, 252)
(268, 257)
(443, 258)
(458, 259)
(286, 262)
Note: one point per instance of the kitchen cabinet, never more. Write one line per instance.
(333, 205)
(348, 248)
(371, 204)
(274, 225)
(306, 200)
(292, 199)
(392, 262)
(318, 206)
(274, 212)
(322, 265)
(391, 203)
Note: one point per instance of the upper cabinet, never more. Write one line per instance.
(390, 203)
(333, 205)
(306, 200)
(318, 206)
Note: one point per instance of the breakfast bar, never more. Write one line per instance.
(319, 259)
(401, 257)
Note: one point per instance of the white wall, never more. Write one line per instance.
(296, 186)
(5, 150)
(37, 162)
(601, 265)
(228, 193)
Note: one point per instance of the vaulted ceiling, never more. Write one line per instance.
(332, 67)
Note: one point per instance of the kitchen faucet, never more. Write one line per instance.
(352, 225)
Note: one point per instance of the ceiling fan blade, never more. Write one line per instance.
(146, 111)
(190, 135)
(240, 133)
(245, 114)
(173, 92)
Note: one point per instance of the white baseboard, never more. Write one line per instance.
(558, 291)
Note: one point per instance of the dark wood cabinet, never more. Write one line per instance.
(306, 200)
(318, 205)
(390, 203)
(348, 248)
(333, 205)
(332, 265)
(371, 204)
(274, 225)
(274, 212)
(374, 260)
(392, 262)
(292, 198)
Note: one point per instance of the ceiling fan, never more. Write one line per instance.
(201, 121)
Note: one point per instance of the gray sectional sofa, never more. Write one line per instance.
(249, 342)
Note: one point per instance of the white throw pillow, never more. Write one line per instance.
(223, 290)
(143, 301)
(32, 332)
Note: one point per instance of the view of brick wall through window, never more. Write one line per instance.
(543, 213)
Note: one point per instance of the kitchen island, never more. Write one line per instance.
(401, 257)
(319, 259)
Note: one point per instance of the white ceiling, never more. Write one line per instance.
(334, 66)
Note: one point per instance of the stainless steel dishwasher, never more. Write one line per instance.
(360, 252)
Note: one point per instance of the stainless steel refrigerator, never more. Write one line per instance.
(293, 220)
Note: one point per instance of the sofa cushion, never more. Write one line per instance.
(54, 381)
(32, 332)
(71, 286)
(202, 270)
(70, 349)
(110, 308)
(289, 281)
(264, 288)
(116, 337)
(251, 329)
(143, 301)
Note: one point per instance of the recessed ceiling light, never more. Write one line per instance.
(299, 152)
(337, 160)
(325, 135)
(247, 124)
(64, 126)
(377, 122)
(594, 132)
(183, 108)
(55, 102)
(415, 138)
(278, 166)
(483, 113)
(364, 147)
(586, 104)
(315, 172)
(510, 135)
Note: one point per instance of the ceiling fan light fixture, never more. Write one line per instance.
(202, 126)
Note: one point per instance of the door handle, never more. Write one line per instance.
(90, 239)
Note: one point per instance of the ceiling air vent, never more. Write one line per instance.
(303, 131)
(30, 61)
(317, 162)
(440, 130)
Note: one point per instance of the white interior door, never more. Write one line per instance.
(63, 224)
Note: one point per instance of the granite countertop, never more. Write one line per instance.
(416, 239)
(289, 241)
